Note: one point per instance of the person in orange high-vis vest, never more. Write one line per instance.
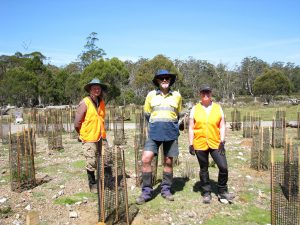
(207, 136)
(89, 124)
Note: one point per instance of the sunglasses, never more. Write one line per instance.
(164, 78)
(205, 92)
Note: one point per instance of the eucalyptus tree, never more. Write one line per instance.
(142, 83)
(223, 81)
(273, 82)
(291, 71)
(73, 89)
(20, 87)
(128, 93)
(46, 83)
(110, 71)
(195, 72)
(92, 51)
(251, 68)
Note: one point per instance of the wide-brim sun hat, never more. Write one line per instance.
(164, 73)
(95, 81)
(205, 87)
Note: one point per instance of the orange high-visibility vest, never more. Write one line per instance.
(92, 128)
(207, 127)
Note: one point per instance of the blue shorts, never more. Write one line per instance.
(170, 148)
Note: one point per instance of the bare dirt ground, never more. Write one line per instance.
(62, 177)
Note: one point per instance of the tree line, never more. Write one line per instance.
(26, 80)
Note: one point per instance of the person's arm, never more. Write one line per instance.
(191, 133)
(222, 127)
(191, 126)
(179, 108)
(147, 108)
(79, 116)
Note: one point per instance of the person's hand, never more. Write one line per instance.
(222, 148)
(191, 150)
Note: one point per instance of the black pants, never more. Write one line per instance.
(221, 162)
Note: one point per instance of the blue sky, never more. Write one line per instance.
(218, 31)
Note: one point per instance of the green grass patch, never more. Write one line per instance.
(5, 211)
(52, 169)
(75, 198)
(79, 164)
(38, 194)
(266, 112)
(257, 215)
(6, 179)
(252, 215)
(246, 197)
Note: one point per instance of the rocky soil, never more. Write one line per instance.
(61, 176)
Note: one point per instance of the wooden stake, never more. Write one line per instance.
(116, 184)
(32, 218)
(125, 187)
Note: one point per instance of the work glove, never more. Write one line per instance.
(222, 148)
(191, 150)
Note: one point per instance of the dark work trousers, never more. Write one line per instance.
(221, 162)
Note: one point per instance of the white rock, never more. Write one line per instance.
(241, 158)
(132, 187)
(16, 222)
(17, 216)
(2, 200)
(69, 207)
(73, 214)
(54, 196)
(249, 177)
(240, 153)
(191, 215)
(224, 201)
(60, 193)
(28, 207)
(2, 181)
(61, 186)
(78, 203)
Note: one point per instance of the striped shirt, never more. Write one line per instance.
(162, 112)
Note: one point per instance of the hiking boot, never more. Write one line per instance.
(166, 186)
(206, 198)
(226, 195)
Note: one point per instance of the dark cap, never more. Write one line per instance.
(205, 87)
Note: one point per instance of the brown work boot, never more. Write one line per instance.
(206, 198)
